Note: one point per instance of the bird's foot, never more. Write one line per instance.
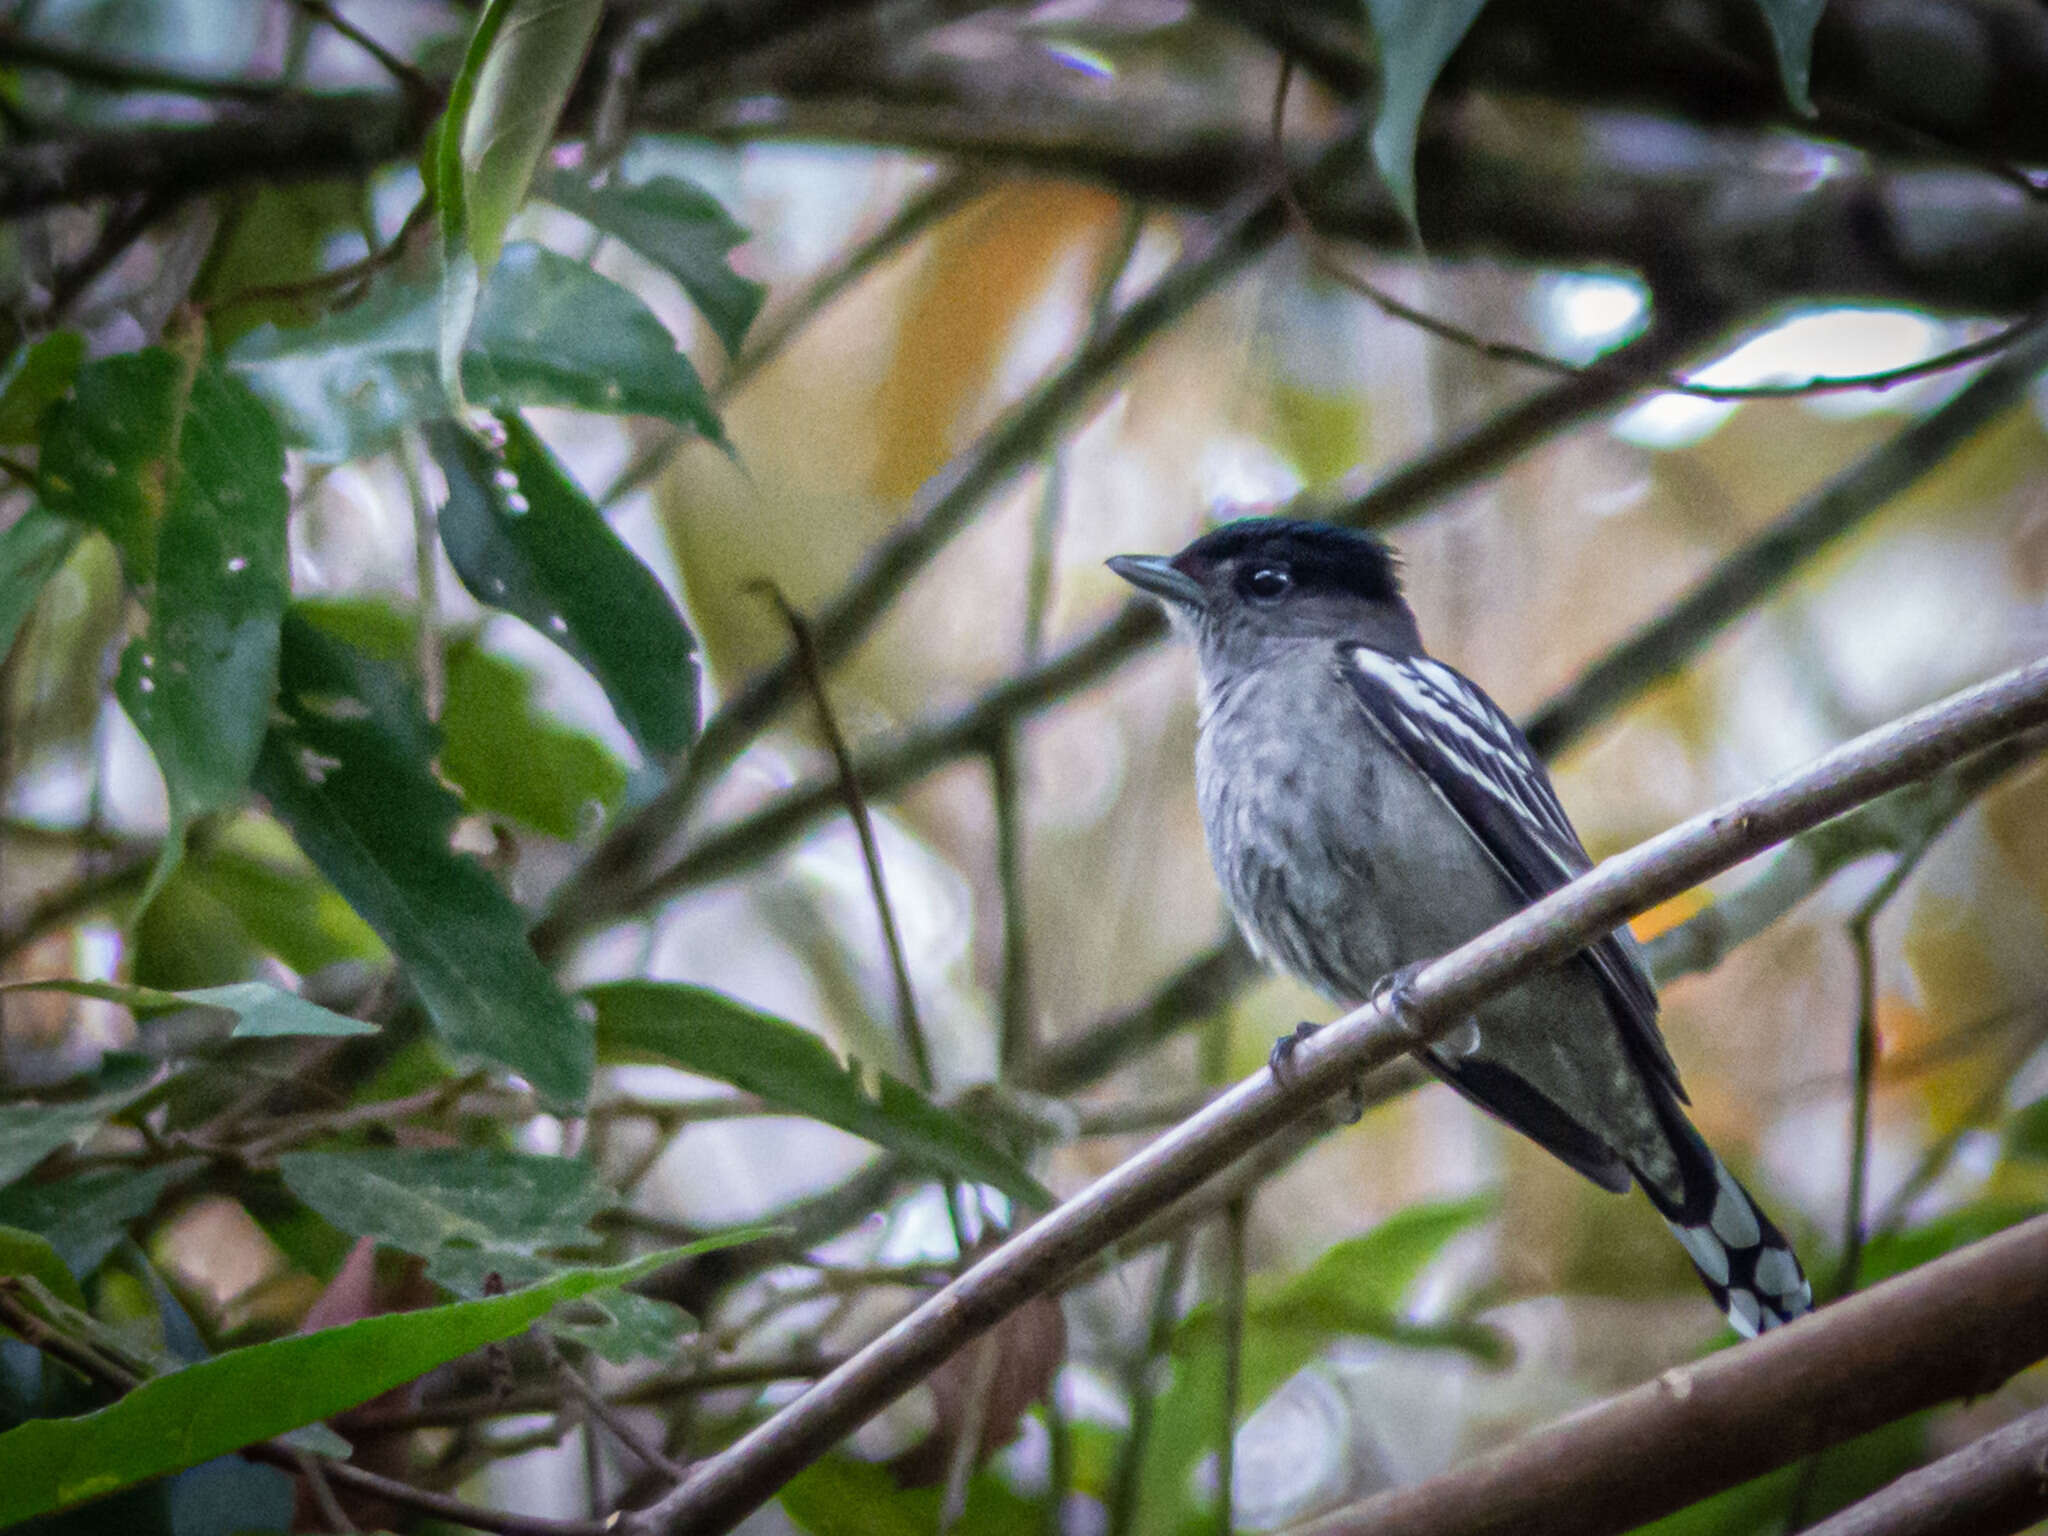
(1394, 995)
(1280, 1061)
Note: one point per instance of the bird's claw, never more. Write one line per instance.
(1394, 995)
(1280, 1061)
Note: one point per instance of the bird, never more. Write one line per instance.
(1368, 808)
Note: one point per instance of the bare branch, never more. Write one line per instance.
(1955, 1328)
(1993, 1485)
(722, 1489)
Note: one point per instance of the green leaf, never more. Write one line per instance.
(513, 760)
(259, 1008)
(627, 1326)
(534, 51)
(183, 469)
(245, 1395)
(349, 771)
(1416, 38)
(548, 331)
(30, 1253)
(276, 236)
(524, 538)
(465, 1211)
(106, 451)
(34, 379)
(278, 900)
(708, 1033)
(31, 1132)
(1356, 1287)
(839, 1496)
(1893, 1253)
(679, 227)
(1792, 23)
(31, 550)
(85, 1216)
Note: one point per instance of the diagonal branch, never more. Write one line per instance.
(724, 1488)
(1955, 1328)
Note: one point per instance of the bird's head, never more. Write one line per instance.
(1261, 584)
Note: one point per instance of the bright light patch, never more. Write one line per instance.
(1083, 60)
(1582, 314)
(1825, 343)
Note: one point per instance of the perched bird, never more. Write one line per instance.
(1369, 809)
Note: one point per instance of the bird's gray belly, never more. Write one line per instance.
(1305, 846)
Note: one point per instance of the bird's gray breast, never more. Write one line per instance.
(1338, 860)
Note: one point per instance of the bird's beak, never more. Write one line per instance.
(1159, 576)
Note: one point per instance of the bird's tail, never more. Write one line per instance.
(1745, 1261)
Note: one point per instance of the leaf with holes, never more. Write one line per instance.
(708, 1033)
(524, 538)
(244, 1395)
(349, 771)
(548, 331)
(1416, 39)
(679, 227)
(1792, 24)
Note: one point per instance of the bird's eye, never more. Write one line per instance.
(1267, 583)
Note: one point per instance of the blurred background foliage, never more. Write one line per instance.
(917, 312)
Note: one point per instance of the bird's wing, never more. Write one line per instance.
(1477, 759)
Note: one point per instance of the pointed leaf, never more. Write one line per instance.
(1792, 23)
(31, 1132)
(1416, 39)
(708, 1033)
(245, 1395)
(32, 549)
(524, 538)
(679, 227)
(349, 771)
(532, 58)
(259, 1008)
(548, 331)
(85, 1216)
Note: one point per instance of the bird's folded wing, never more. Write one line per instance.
(1479, 762)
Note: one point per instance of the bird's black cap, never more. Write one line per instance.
(1320, 556)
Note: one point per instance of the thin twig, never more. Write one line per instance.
(409, 75)
(322, 1490)
(418, 220)
(812, 672)
(1335, 267)
(603, 1412)
(96, 69)
(1762, 565)
(724, 1487)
